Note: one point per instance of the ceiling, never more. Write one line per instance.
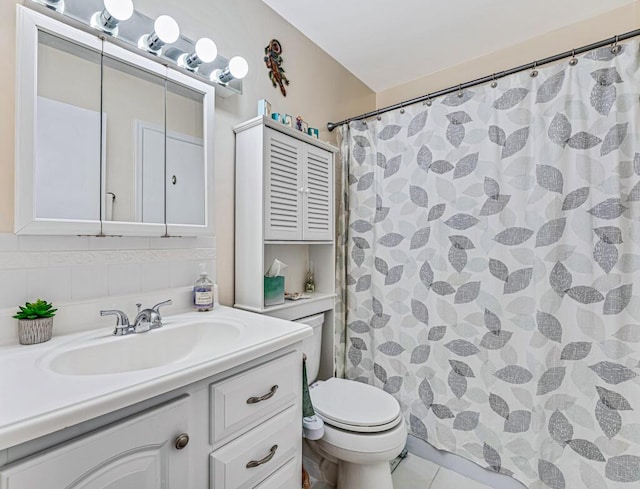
(386, 43)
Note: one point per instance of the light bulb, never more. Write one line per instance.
(206, 50)
(238, 67)
(167, 29)
(119, 9)
(114, 12)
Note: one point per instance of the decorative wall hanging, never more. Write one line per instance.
(273, 60)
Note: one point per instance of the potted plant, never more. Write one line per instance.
(35, 322)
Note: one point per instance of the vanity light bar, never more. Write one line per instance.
(159, 37)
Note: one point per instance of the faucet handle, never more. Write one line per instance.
(162, 304)
(122, 320)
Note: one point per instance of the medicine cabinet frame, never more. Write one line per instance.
(29, 24)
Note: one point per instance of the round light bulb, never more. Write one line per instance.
(206, 50)
(119, 9)
(238, 67)
(167, 29)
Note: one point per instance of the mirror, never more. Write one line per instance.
(185, 163)
(133, 101)
(118, 144)
(68, 131)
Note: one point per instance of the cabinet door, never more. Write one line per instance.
(283, 187)
(318, 195)
(139, 453)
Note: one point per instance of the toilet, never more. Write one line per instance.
(363, 426)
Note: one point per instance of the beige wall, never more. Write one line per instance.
(321, 90)
(614, 22)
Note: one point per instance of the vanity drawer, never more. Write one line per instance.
(251, 458)
(243, 401)
(286, 477)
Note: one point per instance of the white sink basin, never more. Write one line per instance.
(156, 348)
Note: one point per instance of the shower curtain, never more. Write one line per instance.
(491, 247)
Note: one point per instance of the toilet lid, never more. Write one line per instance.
(355, 406)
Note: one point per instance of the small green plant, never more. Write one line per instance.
(35, 310)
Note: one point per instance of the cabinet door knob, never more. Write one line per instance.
(182, 441)
(257, 463)
(268, 395)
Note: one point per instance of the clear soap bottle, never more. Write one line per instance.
(203, 291)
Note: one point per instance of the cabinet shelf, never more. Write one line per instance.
(317, 303)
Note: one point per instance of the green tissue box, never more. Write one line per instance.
(273, 291)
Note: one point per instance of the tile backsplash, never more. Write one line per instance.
(69, 269)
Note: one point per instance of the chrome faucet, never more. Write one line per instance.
(146, 319)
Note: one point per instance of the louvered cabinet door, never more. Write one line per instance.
(318, 194)
(283, 188)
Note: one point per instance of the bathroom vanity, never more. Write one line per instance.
(210, 400)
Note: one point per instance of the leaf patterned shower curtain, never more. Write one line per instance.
(492, 247)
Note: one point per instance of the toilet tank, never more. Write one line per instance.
(311, 346)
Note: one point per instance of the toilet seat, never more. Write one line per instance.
(354, 406)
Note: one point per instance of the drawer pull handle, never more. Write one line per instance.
(182, 441)
(269, 395)
(257, 463)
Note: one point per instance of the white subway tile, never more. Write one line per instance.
(51, 284)
(154, 276)
(118, 243)
(16, 260)
(171, 243)
(124, 279)
(13, 288)
(89, 281)
(53, 243)
(8, 242)
(183, 273)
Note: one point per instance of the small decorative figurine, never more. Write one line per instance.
(273, 60)
(310, 283)
(299, 123)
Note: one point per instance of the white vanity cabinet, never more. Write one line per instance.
(241, 429)
(140, 452)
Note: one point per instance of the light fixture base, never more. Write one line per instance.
(185, 61)
(58, 6)
(143, 43)
(96, 23)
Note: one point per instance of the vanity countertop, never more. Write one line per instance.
(36, 400)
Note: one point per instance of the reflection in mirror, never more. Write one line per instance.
(68, 129)
(185, 170)
(134, 108)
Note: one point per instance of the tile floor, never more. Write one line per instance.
(414, 472)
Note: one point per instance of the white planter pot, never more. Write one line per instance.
(33, 331)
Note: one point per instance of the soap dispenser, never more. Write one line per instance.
(203, 291)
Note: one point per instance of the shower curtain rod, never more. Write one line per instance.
(486, 79)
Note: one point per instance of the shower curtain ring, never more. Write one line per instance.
(534, 72)
(401, 109)
(616, 48)
(428, 101)
(494, 83)
(378, 116)
(573, 61)
(460, 93)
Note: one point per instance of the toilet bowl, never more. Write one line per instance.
(363, 426)
(364, 430)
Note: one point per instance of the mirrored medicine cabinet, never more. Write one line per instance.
(109, 142)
